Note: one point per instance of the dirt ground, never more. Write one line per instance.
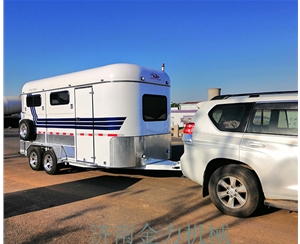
(123, 206)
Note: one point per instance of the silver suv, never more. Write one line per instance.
(243, 150)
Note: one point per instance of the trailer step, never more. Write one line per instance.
(160, 164)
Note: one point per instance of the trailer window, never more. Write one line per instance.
(59, 98)
(33, 100)
(154, 107)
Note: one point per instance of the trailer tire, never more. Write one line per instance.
(50, 162)
(35, 158)
(26, 130)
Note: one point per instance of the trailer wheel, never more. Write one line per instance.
(35, 158)
(50, 162)
(26, 130)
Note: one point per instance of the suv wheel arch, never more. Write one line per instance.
(213, 165)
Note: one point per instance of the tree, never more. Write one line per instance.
(174, 105)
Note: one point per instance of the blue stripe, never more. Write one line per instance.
(83, 119)
(81, 127)
(34, 115)
(112, 123)
(80, 123)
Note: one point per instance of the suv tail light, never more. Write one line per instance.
(188, 129)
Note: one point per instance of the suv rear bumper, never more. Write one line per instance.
(191, 165)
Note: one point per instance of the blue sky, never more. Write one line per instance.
(238, 46)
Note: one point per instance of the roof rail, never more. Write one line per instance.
(256, 94)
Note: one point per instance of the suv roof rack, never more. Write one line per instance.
(256, 94)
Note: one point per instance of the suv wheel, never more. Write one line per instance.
(235, 190)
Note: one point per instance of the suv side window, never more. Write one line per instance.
(275, 118)
(230, 117)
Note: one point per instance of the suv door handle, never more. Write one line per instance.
(255, 144)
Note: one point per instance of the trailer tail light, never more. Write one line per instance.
(188, 129)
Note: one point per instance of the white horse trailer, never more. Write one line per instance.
(115, 116)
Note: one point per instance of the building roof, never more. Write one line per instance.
(190, 102)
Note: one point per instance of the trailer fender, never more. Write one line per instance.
(60, 153)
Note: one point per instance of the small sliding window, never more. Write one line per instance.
(59, 98)
(33, 100)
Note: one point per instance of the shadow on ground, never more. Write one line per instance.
(36, 199)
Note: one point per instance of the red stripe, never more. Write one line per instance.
(62, 133)
(72, 134)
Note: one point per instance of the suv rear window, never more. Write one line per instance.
(275, 118)
(230, 117)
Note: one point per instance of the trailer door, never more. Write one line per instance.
(84, 110)
(35, 104)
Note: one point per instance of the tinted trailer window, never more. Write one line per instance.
(154, 108)
(33, 101)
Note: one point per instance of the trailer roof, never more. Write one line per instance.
(109, 73)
